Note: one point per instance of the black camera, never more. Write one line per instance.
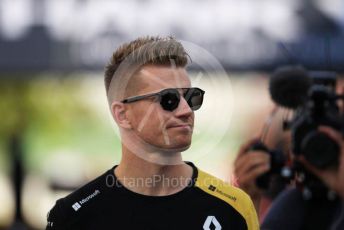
(277, 165)
(319, 108)
(312, 97)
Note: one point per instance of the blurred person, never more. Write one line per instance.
(316, 202)
(313, 201)
(305, 214)
(319, 213)
(249, 164)
(152, 102)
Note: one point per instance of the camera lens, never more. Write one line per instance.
(320, 150)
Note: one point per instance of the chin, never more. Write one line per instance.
(179, 147)
(177, 144)
(184, 148)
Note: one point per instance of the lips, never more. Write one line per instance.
(182, 125)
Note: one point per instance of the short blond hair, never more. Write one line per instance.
(146, 50)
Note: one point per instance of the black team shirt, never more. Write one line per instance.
(104, 203)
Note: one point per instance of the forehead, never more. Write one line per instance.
(160, 77)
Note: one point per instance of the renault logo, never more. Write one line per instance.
(210, 223)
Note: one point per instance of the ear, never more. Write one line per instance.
(119, 113)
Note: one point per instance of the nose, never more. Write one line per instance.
(183, 109)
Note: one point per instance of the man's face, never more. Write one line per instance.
(168, 130)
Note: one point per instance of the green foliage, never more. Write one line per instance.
(52, 112)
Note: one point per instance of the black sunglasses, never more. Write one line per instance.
(169, 98)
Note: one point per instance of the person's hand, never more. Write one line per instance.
(249, 165)
(332, 177)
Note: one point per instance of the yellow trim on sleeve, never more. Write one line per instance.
(235, 197)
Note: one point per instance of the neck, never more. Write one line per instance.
(149, 177)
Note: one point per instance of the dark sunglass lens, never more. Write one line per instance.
(170, 100)
(194, 97)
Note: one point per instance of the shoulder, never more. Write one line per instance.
(79, 203)
(230, 195)
(289, 201)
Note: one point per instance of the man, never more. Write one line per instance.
(153, 103)
(248, 166)
(308, 214)
(301, 213)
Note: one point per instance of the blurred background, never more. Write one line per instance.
(55, 130)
